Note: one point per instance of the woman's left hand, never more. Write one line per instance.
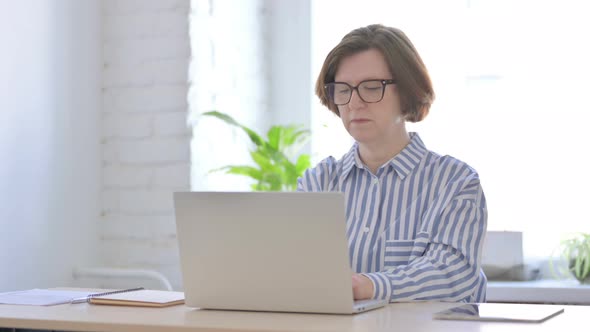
(362, 287)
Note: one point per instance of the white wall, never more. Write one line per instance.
(291, 79)
(49, 148)
(235, 85)
(146, 141)
(145, 138)
(93, 133)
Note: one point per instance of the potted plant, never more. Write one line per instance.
(277, 164)
(575, 255)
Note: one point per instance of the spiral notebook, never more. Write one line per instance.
(137, 297)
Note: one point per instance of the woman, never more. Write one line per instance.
(416, 220)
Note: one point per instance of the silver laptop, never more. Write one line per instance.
(279, 251)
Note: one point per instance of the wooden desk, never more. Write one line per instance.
(405, 317)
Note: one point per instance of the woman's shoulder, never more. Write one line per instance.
(324, 175)
(328, 165)
(455, 168)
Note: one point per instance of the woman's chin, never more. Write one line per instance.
(362, 137)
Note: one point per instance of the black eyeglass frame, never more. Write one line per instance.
(384, 83)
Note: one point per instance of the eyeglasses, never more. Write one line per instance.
(370, 91)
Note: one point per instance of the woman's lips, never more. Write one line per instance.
(362, 120)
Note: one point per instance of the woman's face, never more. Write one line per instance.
(370, 123)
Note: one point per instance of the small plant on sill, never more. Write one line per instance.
(273, 155)
(575, 257)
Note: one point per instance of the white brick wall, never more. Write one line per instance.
(146, 149)
(145, 139)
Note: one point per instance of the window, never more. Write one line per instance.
(510, 79)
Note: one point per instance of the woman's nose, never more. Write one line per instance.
(355, 99)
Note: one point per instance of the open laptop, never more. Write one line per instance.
(279, 251)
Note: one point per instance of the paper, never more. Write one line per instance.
(43, 297)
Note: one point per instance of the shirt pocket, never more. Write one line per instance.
(398, 252)
(401, 252)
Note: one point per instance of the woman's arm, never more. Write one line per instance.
(445, 258)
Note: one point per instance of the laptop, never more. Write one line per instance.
(266, 251)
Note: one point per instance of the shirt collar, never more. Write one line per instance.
(403, 163)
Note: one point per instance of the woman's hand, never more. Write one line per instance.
(362, 287)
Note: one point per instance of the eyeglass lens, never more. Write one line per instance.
(368, 91)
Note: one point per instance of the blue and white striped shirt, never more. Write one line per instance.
(416, 228)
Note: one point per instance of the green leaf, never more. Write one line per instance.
(578, 268)
(245, 170)
(273, 157)
(273, 180)
(293, 139)
(289, 187)
(254, 137)
(292, 132)
(260, 186)
(586, 260)
(576, 253)
(287, 139)
(295, 149)
(274, 137)
(303, 163)
(261, 159)
(274, 154)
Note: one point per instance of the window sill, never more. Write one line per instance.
(539, 291)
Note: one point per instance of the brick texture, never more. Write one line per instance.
(153, 73)
(145, 135)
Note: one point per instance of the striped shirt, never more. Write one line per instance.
(416, 228)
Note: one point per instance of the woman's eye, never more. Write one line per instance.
(372, 88)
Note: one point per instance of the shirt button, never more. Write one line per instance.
(375, 181)
(366, 229)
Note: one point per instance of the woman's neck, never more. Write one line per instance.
(375, 154)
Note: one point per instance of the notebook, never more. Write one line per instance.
(501, 312)
(139, 298)
(266, 251)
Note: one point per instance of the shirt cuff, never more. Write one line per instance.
(381, 285)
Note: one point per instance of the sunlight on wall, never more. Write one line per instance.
(228, 73)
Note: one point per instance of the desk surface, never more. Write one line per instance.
(394, 317)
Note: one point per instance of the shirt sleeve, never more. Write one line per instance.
(445, 257)
(322, 177)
